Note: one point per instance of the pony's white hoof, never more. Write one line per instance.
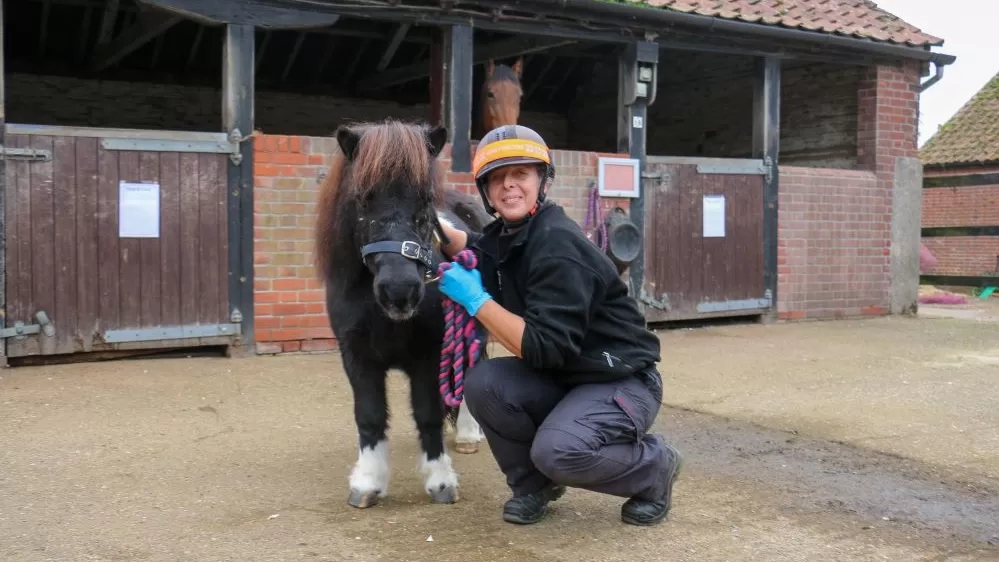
(439, 480)
(369, 479)
(445, 495)
(362, 500)
(466, 447)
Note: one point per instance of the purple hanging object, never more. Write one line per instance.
(593, 223)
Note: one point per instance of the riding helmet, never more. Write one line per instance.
(508, 145)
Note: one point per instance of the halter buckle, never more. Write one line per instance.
(410, 250)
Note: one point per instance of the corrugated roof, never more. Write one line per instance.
(854, 18)
(971, 136)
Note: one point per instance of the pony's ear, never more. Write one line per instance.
(490, 67)
(347, 138)
(436, 139)
(518, 67)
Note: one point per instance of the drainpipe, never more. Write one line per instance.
(938, 71)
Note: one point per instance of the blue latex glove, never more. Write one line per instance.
(464, 286)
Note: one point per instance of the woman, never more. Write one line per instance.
(573, 406)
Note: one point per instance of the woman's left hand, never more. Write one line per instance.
(464, 286)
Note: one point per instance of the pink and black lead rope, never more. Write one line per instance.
(459, 335)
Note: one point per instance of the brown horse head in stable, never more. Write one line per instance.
(501, 94)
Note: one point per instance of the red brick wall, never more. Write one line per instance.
(834, 232)
(290, 304)
(962, 206)
(971, 256)
(834, 240)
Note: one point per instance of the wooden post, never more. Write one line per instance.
(438, 76)
(766, 146)
(3, 195)
(632, 126)
(237, 121)
(458, 56)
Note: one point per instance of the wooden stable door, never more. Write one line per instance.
(88, 273)
(704, 238)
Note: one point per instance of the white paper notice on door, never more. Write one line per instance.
(138, 210)
(714, 216)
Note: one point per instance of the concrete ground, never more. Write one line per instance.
(849, 440)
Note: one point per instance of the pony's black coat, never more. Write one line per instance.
(391, 206)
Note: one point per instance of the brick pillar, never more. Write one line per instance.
(887, 132)
(887, 117)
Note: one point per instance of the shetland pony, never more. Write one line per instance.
(377, 223)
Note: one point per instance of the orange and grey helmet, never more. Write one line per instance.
(510, 145)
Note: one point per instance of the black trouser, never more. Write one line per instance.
(593, 436)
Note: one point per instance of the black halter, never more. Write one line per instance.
(415, 251)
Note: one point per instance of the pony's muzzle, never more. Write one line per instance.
(400, 297)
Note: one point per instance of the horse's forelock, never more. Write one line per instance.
(396, 153)
(387, 155)
(503, 72)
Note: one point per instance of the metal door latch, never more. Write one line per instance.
(20, 330)
(30, 154)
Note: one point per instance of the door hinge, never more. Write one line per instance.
(236, 137)
(20, 330)
(661, 303)
(30, 154)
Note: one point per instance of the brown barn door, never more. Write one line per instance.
(116, 240)
(704, 238)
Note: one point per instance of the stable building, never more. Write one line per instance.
(772, 152)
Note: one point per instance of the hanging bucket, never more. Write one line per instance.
(624, 240)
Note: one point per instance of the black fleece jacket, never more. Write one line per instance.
(581, 324)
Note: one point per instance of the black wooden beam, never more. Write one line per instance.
(325, 60)
(392, 47)
(962, 180)
(148, 26)
(237, 120)
(632, 133)
(157, 48)
(539, 79)
(257, 13)
(438, 78)
(938, 231)
(292, 56)
(460, 64)
(191, 56)
(358, 55)
(3, 202)
(766, 145)
(261, 49)
(505, 49)
(108, 19)
(486, 22)
(961, 280)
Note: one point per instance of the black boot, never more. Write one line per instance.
(531, 508)
(644, 511)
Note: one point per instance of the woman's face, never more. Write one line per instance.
(513, 190)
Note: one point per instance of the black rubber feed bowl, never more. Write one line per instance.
(624, 241)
